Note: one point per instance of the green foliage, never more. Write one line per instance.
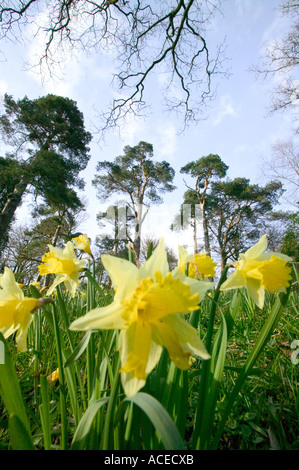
(290, 241)
(205, 168)
(136, 175)
(50, 144)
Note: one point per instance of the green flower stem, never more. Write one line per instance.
(206, 365)
(62, 387)
(91, 346)
(44, 409)
(109, 419)
(260, 344)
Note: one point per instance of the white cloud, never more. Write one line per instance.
(168, 141)
(224, 109)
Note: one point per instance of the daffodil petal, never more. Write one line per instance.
(256, 291)
(157, 262)
(138, 355)
(109, 317)
(188, 336)
(258, 249)
(234, 281)
(169, 339)
(130, 383)
(59, 278)
(21, 337)
(269, 254)
(10, 289)
(196, 286)
(124, 275)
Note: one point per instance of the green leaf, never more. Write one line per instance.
(160, 419)
(19, 436)
(85, 424)
(10, 388)
(93, 282)
(78, 350)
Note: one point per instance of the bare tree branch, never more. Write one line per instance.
(161, 37)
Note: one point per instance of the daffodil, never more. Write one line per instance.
(54, 376)
(35, 284)
(82, 243)
(63, 263)
(198, 266)
(16, 310)
(259, 271)
(146, 309)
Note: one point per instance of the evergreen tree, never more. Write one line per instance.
(50, 149)
(204, 170)
(139, 178)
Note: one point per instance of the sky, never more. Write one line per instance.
(237, 125)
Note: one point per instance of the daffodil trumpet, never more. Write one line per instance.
(65, 265)
(16, 310)
(147, 308)
(258, 271)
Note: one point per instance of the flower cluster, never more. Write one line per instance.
(146, 309)
(149, 302)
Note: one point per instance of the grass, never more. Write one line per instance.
(86, 408)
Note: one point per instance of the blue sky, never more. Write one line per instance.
(237, 126)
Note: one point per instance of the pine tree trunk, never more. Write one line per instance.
(205, 230)
(137, 236)
(8, 211)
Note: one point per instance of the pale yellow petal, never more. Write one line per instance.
(196, 286)
(21, 337)
(234, 281)
(109, 317)
(10, 289)
(267, 256)
(188, 337)
(124, 275)
(130, 383)
(59, 278)
(256, 291)
(258, 249)
(138, 355)
(9, 330)
(157, 262)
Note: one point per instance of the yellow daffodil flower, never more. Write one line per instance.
(199, 265)
(82, 243)
(35, 284)
(146, 309)
(16, 309)
(54, 376)
(66, 266)
(259, 271)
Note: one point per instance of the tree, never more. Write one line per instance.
(205, 170)
(234, 209)
(136, 176)
(51, 148)
(290, 243)
(281, 59)
(120, 219)
(27, 244)
(167, 37)
(283, 165)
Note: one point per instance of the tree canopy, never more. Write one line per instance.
(50, 148)
(139, 178)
